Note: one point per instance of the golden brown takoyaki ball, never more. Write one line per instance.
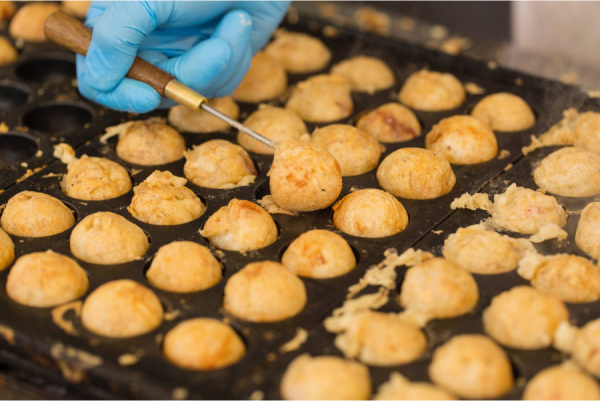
(121, 309)
(149, 142)
(415, 173)
(274, 123)
(432, 91)
(365, 74)
(562, 382)
(524, 318)
(164, 200)
(44, 279)
(304, 177)
(472, 366)
(399, 388)
(7, 250)
(587, 132)
(321, 99)
(462, 140)
(298, 52)
(219, 164)
(265, 80)
(526, 211)
(369, 213)
(264, 292)
(571, 278)
(105, 238)
(8, 52)
(201, 122)
(184, 266)
(481, 251)
(325, 378)
(355, 151)
(390, 123)
(28, 22)
(33, 214)
(240, 226)
(91, 178)
(587, 236)
(438, 289)
(585, 345)
(569, 172)
(504, 112)
(76, 8)
(7, 9)
(319, 254)
(203, 344)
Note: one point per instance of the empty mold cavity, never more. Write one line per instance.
(12, 96)
(16, 148)
(58, 118)
(47, 70)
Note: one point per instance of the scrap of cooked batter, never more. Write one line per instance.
(343, 316)
(472, 202)
(58, 316)
(549, 231)
(296, 342)
(268, 203)
(562, 133)
(474, 89)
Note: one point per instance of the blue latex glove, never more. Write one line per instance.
(205, 45)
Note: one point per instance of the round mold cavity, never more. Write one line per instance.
(16, 147)
(54, 71)
(57, 118)
(12, 96)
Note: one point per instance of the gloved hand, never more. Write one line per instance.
(205, 45)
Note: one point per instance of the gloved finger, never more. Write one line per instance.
(129, 95)
(266, 16)
(95, 11)
(230, 86)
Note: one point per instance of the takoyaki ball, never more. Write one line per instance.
(585, 347)
(355, 151)
(321, 99)
(44, 279)
(587, 236)
(219, 164)
(390, 123)
(34, 214)
(7, 250)
(164, 200)
(77, 8)
(8, 52)
(526, 211)
(265, 80)
(274, 123)
(438, 289)
(504, 112)
(28, 22)
(203, 344)
(384, 339)
(369, 213)
(524, 318)
(184, 266)
(587, 132)
(571, 278)
(325, 378)
(105, 238)
(201, 122)
(298, 52)
(415, 173)
(481, 251)
(472, 366)
(264, 292)
(365, 74)
(121, 309)
(562, 382)
(7, 9)
(569, 172)
(304, 177)
(432, 91)
(319, 254)
(240, 226)
(462, 140)
(399, 388)
(149, 142)
(91, 178)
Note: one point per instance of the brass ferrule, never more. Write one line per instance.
(180, 93)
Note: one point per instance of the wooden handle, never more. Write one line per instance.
(68, 32)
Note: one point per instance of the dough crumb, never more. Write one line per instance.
(508, 167)
(438, 32)
(504, 153)
(268, 203)
(131, 359)
(438, 232)
(296, 342)
(561, 133)
(472, 202)
(58, 316)
(8, 334)
(370, 20)
(492, 65)
(549, 231)
(3, 127)
(564, 337)
(39, 153)
(519, 81)
(257, 395)
(594, 94)
(330, 31)
(65, 153)
(342, 317)
(455, 46)
(474, 89)
(180, 393)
